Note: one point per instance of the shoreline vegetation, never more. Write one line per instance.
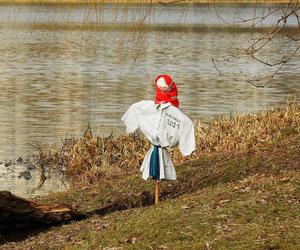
(160, 2)
(91, 158)
(240, 189)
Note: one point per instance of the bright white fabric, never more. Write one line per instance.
(163, 125)
(161, 83)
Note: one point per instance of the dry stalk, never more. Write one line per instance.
(90, 159)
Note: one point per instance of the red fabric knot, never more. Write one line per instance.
(166, 90)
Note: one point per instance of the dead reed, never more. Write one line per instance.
(247, 131)
(90, 159)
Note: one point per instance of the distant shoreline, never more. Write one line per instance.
(162, 2)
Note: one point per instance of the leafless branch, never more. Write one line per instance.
(259, 18)
(283, 62)
(289, 11)
(293, 38)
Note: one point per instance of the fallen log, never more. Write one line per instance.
(17, 213)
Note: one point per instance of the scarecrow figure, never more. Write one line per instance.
(165, 126)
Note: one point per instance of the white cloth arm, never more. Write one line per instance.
(130, 120)
(187, 143)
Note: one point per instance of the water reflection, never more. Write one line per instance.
(58, 76)
(208, 14)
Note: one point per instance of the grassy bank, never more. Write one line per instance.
(239, 191)
(244, 200)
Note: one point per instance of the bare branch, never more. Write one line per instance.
(288, 59)
(256, 82)
(259, 19)
(293, 38)
(216, 67)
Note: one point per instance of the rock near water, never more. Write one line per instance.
(26, 175)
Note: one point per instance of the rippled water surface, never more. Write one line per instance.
(64, 67)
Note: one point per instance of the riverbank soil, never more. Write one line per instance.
(248, 200)
(18, 214)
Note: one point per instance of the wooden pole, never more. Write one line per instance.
(157, 192)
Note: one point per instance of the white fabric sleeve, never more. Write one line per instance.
(187, 144)
(130, 118)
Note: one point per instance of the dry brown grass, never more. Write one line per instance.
(248, 131)
(89, 159)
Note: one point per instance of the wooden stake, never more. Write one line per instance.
(157, 192)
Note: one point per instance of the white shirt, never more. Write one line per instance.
(163, 125)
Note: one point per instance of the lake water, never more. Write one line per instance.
(63, 67)
(12, 179)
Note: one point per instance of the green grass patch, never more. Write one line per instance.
(245, 201)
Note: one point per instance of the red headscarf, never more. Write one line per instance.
(166, 90)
